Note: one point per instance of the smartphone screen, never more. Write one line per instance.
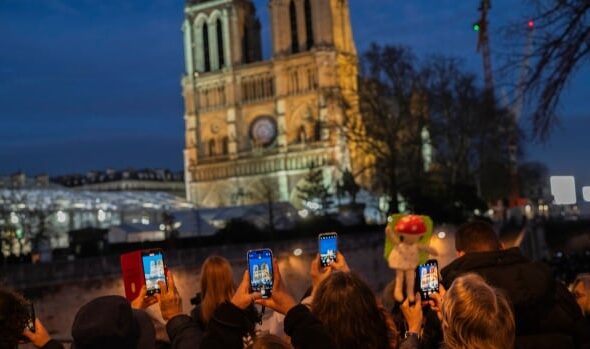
(260, 269)
(328, 246)
(427, 275)
(153, 270)
(31, 317)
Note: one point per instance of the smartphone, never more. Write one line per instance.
(261, 273)
(31, 316)
(427, 278)
(328, 246)
(154, 270)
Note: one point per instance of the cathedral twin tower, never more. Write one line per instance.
(255, 127)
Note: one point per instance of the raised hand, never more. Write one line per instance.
(317, 273)
(40, 337)
(281, 300)
(413, 314)
(436, 300)
(340, 263)
(143, 301)
(169, 298)
(243, 298)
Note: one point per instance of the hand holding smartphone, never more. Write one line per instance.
(143, 267)
(427, 278)
(328, 247)
(261, 271)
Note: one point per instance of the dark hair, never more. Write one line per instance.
(476, 236)
(349, 311)
(13, 318)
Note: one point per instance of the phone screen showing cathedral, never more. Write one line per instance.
(428, 279)
(153, 269)
(328, 248)
(260, 268)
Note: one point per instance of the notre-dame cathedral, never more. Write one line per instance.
(254, 127)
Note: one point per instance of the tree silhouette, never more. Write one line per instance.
(560, 46)
(313, 190)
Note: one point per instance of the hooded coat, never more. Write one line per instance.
(546, 314)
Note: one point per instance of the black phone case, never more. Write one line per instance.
(417, 288)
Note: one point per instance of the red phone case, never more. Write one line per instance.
(133, 277)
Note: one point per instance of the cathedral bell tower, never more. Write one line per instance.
(253, 128)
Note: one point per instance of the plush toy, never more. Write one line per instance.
(407, 238)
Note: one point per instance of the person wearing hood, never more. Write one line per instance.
(546, 314)
(110, 322)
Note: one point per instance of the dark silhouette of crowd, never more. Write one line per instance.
(489, 297)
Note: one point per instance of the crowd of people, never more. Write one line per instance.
(489, 297)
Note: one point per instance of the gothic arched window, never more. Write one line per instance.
(317, 131)
(294, 34)
(225, 145)
(211, 147)
(206, 47)
(308, 24)
(220, 44)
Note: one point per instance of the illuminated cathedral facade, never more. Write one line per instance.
(255, 127)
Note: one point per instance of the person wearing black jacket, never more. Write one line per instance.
(231, 326)
(13, 324)
(184, 333)
(546, 314)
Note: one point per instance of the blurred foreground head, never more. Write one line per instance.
(476, 315)
(348, 309)
(109, 323)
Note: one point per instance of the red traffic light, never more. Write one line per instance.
(531, 24)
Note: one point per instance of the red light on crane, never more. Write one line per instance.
(531, 24)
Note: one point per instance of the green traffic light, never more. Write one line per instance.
(476, 27)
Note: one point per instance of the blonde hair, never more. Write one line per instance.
(217, 285)
(476, 316)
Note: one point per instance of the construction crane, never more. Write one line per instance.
(516, 109)
(483, 47)
(483, 44)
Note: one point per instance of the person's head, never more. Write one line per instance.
(217, 285)
(269, 341)
(349, 311)
(581, 291)
(476, 236)
(109, 322)
(13, 318)
(476, 315)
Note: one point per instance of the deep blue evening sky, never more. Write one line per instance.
(91, 84)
